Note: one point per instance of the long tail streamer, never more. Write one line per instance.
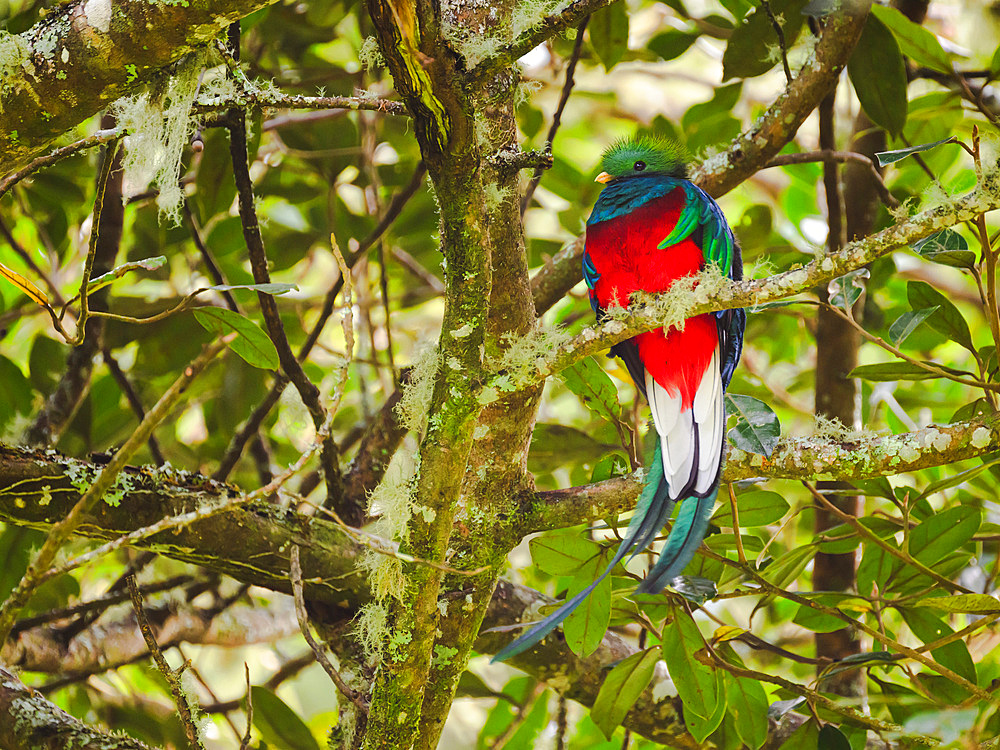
(651, 513)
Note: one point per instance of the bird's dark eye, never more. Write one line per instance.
(639, 166)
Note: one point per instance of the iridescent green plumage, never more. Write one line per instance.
(655, 155)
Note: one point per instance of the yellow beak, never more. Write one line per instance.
(603, 177)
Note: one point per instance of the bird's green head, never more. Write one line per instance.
(631, 157)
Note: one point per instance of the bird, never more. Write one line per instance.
(651, 225)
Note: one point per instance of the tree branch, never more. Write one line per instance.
(78, 59)
(546, 28)
(29, 720)
(794, 458)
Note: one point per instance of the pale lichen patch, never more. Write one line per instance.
(98, 13)
(980, 437)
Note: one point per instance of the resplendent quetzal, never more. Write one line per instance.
(649, 227)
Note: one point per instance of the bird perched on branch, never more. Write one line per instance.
(649, 227)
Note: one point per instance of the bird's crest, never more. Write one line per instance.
(638, 155)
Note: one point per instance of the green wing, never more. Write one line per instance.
(701, 211)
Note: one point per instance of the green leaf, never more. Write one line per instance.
(609, 34)
(278, 724)
(252, 344)
(916, 42)
(888, 371)
(16, 389)
(946, 247)
(695, 682)
(16, 545)
(820, 622)
(215, 188)
(757, 508)
(947, 320)
(700, 727)
(944, 532)
(471, 685)
(556, 445)
(273, 288)
(928, 627)
(878, 74)
(758, 429)
(831, 738)
(622, 688)
(747, 702)
(907, 323)
(787, 568)
(845, 290)
(806, 737)
(858, 660)
(562, 554)
(976, 604)
(585, 627)
(956, 479)
(889, 157)
(146, 264)
(672, 43)
(594, 388)
(749, 49)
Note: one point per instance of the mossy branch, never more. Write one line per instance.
(29, 720)
(808, 458)
(85, 55)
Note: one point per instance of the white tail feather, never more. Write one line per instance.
(680, 432)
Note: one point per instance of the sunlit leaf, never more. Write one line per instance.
(976, 604)
(36, 294)
(251, 343)
(916, 42)
(757, 429)
(146, 264)
(562, 554)
(907, 323)
(758, 508)
(593, 387)
(886, 158)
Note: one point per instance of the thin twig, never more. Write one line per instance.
(879, 636)
(99, 603)
(567, 89)
(781, 38)
(290, 365)
(828, 155)
(181, 700)
(245, 742)
(57, 155)
(318, 650)
(88, 268)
